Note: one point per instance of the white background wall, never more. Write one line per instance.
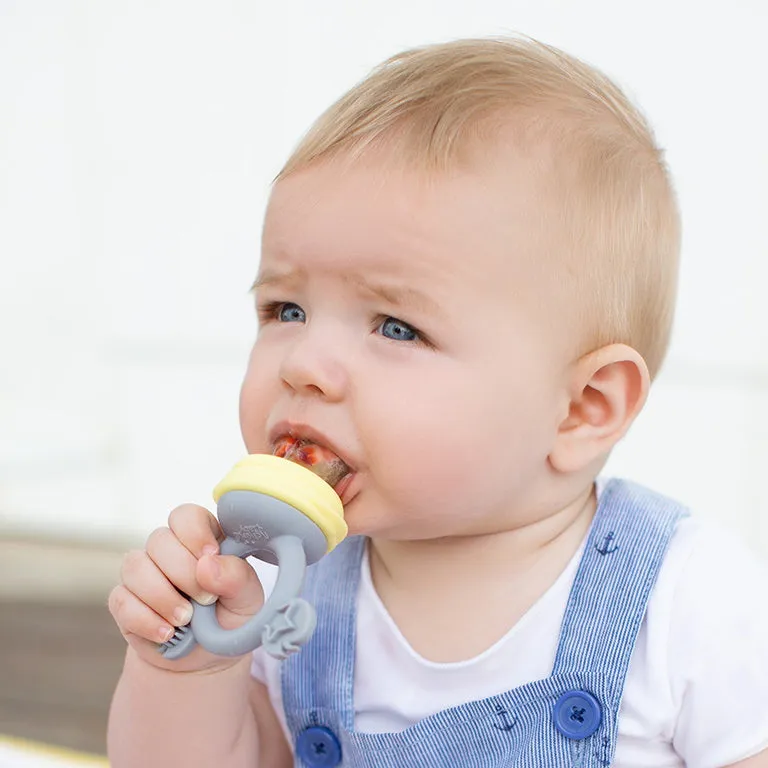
(137, 144)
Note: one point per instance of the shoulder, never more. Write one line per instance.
(709, 614)
(708, 571)
(711, 579)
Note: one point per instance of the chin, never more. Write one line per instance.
(357, 523)
(361, 520)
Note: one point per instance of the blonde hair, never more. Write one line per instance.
(438, 102)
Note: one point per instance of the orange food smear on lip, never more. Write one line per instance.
(322, 461)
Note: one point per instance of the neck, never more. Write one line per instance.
(501, 557)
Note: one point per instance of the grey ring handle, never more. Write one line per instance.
(271, 529)
(292, 563)
(283, 624)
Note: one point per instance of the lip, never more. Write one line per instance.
(347, 488)
(305, 431)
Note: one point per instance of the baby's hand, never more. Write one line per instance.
(182, 558)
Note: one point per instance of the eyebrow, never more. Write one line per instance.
(397, 295)
(273, 278)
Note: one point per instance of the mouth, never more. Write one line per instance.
(320, 459)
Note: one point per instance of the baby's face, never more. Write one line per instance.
(407, 319)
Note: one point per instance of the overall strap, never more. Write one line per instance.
(622, 558)
(324, 668)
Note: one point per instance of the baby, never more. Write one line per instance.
(466, 287)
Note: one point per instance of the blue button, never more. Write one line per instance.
(577, 714)
(318, 747)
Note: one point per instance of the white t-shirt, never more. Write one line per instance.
(696, 693)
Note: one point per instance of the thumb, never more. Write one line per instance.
(233, 580)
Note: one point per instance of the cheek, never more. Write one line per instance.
(254, 406)
(459, 441)
(423, 436)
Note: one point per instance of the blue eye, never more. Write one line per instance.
(398, 330)
(290, 313)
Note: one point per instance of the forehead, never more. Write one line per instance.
(470, 226)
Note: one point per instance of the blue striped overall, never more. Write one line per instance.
(568, 720)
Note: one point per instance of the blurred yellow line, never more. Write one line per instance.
(62, 753)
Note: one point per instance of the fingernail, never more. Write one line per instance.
(182, 615)
(165, 633)
(206, 599)
(210, 549)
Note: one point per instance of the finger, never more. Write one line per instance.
(135, 618)
(177, 563)
(141, 576)
(196, 528)
(234, 580)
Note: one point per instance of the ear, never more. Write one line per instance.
(607, 389)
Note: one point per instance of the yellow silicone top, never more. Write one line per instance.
(292, 483)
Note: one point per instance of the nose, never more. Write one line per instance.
(314, 366)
